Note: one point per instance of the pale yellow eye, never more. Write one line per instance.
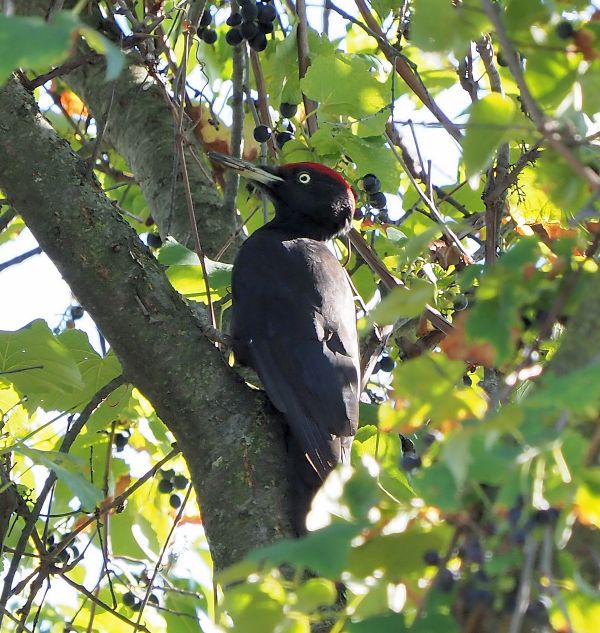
(304, 178)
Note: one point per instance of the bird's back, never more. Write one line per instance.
(294, 323)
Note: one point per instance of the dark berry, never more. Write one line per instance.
(359, 213)
(282, 138)
(249, 30)
(408, 446)
(76, 312)
(288, 110)
(377, 200)
(121, 441)
(501, 59)
(545, 517)
(266, 27)
(180, 482)
(154, 240)
(565, 30)
(249, 11)
(209, 36)
(386, 363)
(234, 37)
(149, 221)
(129, 599)
(206, 18)
(169, 473)
(261, 133)
(444, 580)
(431, 437)
(520, 536)
(538, 610)
(410, 461)
(476, 596)
(258, 42)
(235, 19)
(266, 13)
(471, 551)
(175, 501)
(371, 183)
(165, 486)
(431, 557)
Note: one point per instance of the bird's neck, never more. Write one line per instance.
(315, 232)
(297, 225)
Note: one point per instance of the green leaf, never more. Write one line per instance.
(96, 371)
(391, 623)
(67, 469)
(398, 555)
(438, 25)
(114, 58)
(40, 366)
(314, 593)
(488, 125)
(174, 254)
(403, 302)
(325, 552)
(342, 84)
(32, 43)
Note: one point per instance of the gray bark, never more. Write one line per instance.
(141, 126)
(229, 436)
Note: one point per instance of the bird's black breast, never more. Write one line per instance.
(294, 323)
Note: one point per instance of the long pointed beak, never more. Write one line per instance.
(244, 168)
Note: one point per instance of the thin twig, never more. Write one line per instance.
(446, 230)
(404, 69)
(29, 527)
(530, 549)
(547, 128)
(6, 218)
(20, 258)
(58, 71)
(232, 178)
(161, 556)
(186, 185)
(115, 503)
(88, 594)
(310, 106)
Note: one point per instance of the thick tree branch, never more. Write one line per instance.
(231, 441)
(142, 128)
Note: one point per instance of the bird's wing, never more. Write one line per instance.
(308, 362)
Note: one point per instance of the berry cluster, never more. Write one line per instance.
(262, 133)
(252, 23)
(134, 603)
(65, 555)
(411, 460)
(376, 200)
(169, 482)
(204, 31)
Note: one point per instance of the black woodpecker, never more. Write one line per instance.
(294, 320)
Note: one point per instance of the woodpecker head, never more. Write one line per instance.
(310, 199)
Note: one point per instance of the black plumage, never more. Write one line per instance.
(294, 318)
